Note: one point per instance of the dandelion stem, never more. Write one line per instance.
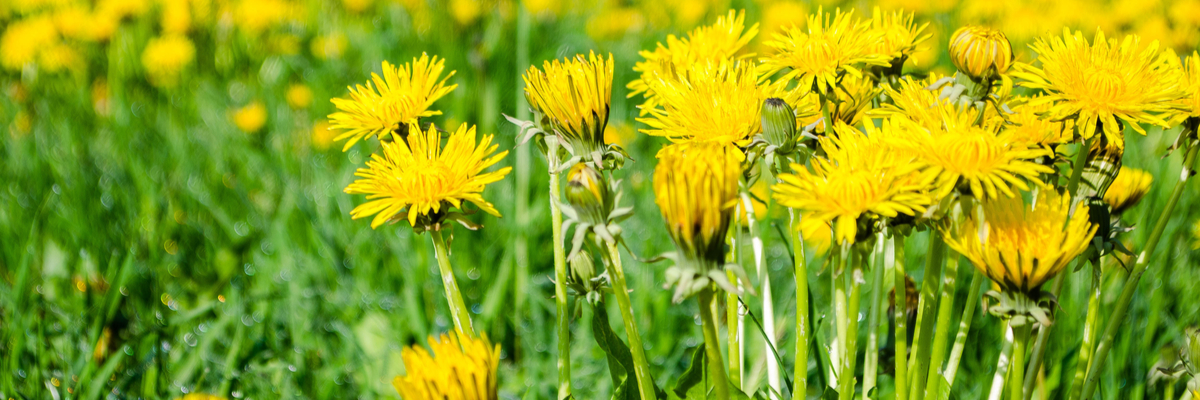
(560, 281)
(871, 359)
(840, 308)
(1002, 362)
(712, 345)
(733, 329)
(768, 306)
(964, 327)
(1020, 343)
(919, 361)
(1143, 261)
(458, 308)
(941, 334)
(901, 315)
(800, 390)
(641, 368)
(855, 280)
(1090, 324)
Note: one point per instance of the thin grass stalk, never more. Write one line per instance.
(768, 305)
(800, 390)
(871, 359)
(1090, 325)
(900, 313)
(1143, 261)
(1043, 337)
(712, 345)
(641, 368)
(964, 328)
(941, 333)
(560, 281)
(733, 329)
(855, 280)
(458, 308)
(918, 363)
(1002, 362)
(841, 305)
(1020, 345)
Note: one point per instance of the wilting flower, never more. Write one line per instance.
(1128, 189)
(982, 53)
(861, 175)
(715, 43)
(1104, 84)
(250, 118)
(696, 188)
(397, 99)
(899, 37)
(573, 97)
(1021, 246)
(832, 46)
(165, 57)
(459, 368)
(718, 102)
(419, 180)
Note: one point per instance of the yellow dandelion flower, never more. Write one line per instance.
(1190, 103)
(176, 17)
(899, 36)
(255, 16)
(400, 97)
(573, 95)
(860, 175)
(615, 22)
(1022, 246)
(1104, 84)
(465, 12)
(982, 53)
(833, 45)
(60, 57)
(1128, 189)
(299, 96)
(422, 179)
(459, 368)
(72, 22)
(251, 118)
(328, 47)
(916, 102)
(322, 136)
(357, 6)
(1027, 124)
(24, 39)
(722, 40)
(165, 57)
(716, 102)
(121, 9)
(854, 100)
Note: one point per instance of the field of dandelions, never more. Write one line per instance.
(505, 199)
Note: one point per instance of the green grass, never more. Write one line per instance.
(219, 262)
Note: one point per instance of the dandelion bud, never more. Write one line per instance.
(981, 53)
(1103, 165)
(779, 125)
(588, 193)
(1193, 348)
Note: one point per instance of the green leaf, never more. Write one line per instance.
(940, 389)
(693, 375)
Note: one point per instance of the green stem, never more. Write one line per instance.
(871, 359)
(941, 334)
(901, 315)
(458, 307)
(919, 362)
(521, 239)
(641, 368)
(560, 281)
(847, 380)
(1143, 261)
(800, 390)
(1002, 362)
(1043, 337)
(1020, 343)
(712, 345)
(1088, 346)
(964, 327)
(1077, 170)
(840, 306)
(768, 302)
(733, 329)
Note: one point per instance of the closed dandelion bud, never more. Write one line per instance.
(981, 53)
(779, 125)
(588, 193)
(1103, 165)
(1193, 349)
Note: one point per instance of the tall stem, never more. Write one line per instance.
(840, 308)
(560, 281)
(871, 359)
(941, 334)
(964, 327)
(1020, 344)
(641, 368)
(768, 302)
(901, 315)
(1043, 337)
(1002, 361)
(919, 363)
(800, 390)
(733, 329)
(1143, 261)
(521, 239)
(855, 280)
(1090, 325)
(712, 345)
(458, 308)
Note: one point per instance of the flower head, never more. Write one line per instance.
(251, 118)
(899, 36)
(1104, 85)
(1027, 124)
(165, 57)
(713, 43)
(573, 95)
(861, 175)
(458, 368)
(401, 96)
(1128, 189)
(1190, 103)
(419, 180)
(832, 46)
(299, 96)
(980, 52)
(24, 39)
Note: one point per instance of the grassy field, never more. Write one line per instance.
(151, 247)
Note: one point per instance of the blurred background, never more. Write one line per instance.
(172, 217)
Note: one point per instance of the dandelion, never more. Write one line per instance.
(458, 368)
(299, 96)
(982, 53)
(418, 180)
(60, 57)
(1190, 102)
(166, 57)
(23, 40)
(573, 96)
(251, 118)
(899, 36)
(400, 97)
(721, 41)
(1128, 189)
(1028, 125)
(322, 137)
(255, 16)
(176, 17)
(330, 47)
(1104, 85)
(832, 46)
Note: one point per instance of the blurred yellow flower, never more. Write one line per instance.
(1128, 189)
(176, 16)
(23, 40)
(73, 22)
(165, 57)
(121, 9)
(255, 16)
(401, 96)
(299, 96)
(328, 47)
(357, 6)
(322, 136)
(59, 57)
(543, 8)
(1028, 125)
(1104, 85)
(250, 118)
(614, 23)
(1022, 246)
(716, 43)
(465, 12)
(833, 45)
(778, 15)
(419, 178)
(459, 368)
(982, 53)
(899, 36)
(574, 95)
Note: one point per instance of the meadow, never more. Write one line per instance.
(174, 215)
